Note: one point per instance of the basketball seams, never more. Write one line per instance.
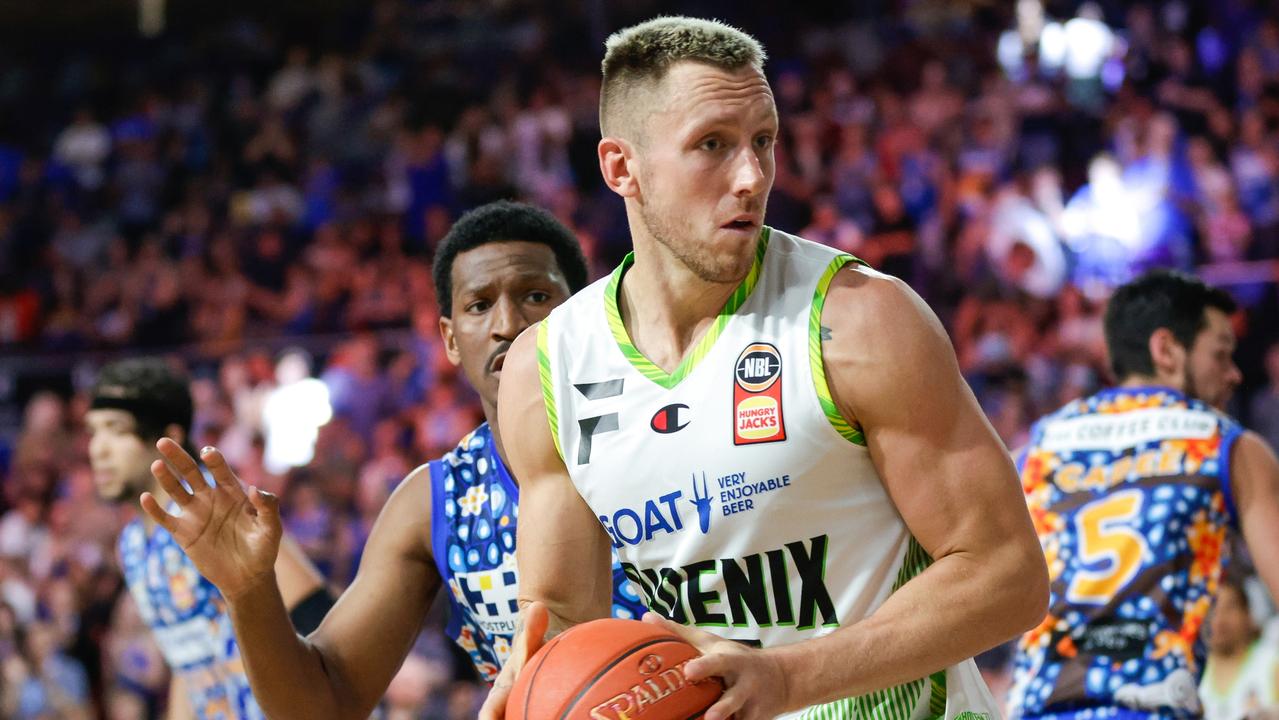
(604, 670)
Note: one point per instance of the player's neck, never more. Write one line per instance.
(665, 307)
(490, 416)
(1136, 381)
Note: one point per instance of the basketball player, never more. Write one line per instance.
(1133, 492)
(775, 439)
(134, 403)
(1241, 678)
(452, 521)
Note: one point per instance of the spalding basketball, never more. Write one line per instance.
(611, 670)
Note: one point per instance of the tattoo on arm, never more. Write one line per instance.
(826, 333)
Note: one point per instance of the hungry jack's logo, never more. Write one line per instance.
(757, 396)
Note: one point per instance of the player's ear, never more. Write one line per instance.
(617, 166)
(450, 340)
(1166, 354)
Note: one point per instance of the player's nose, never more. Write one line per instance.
(507, 319)
(749, 177)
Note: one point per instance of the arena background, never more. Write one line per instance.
(230, 184)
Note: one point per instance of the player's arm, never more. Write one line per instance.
(178, 706)
(891, 368)
(297, 575)
(302, 587)
(562, 551)
(343, 668)
(1254, 478)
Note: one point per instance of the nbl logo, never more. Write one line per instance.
(757, 395)
(758, 367)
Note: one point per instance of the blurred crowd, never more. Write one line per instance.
(262, 204)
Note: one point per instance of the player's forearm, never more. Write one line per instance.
(287, 674)
(960, 606)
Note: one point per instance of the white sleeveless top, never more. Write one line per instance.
(738, 498)
(1253, 688)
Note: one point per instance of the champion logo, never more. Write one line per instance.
(670, 419)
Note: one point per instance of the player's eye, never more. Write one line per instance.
(538, 297)
(478, 306)
(712, 144)
(763, 141)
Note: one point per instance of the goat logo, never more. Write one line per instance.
(703, 502)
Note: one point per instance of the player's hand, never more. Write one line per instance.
(232, 536)
(536, 619)
(754, 685)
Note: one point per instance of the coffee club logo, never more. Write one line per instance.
(757, 396)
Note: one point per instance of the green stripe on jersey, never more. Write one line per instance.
(647, 367)
(898, 702)
(548, 389)
(836, 418)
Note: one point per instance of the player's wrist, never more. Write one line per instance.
(256, 588)
(788, 666)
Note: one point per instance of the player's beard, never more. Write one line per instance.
(693, 254)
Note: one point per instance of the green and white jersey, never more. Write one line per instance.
(737, 497)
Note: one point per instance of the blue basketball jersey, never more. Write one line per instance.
(1129, 491)
(188, 617)
(474, 508)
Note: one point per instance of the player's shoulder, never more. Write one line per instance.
(882, 312)
(798, 248)
(588, 299)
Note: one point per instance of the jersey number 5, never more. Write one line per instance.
(1107, 542)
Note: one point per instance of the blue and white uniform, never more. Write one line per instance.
(188, 617)
(474, 508)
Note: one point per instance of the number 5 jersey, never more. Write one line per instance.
(1129, 491)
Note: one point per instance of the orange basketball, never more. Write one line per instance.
(611, 670)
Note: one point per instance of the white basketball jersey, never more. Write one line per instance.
(738, 498)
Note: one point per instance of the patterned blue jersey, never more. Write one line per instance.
(188, 617)
(474, 507)
(1129, 491)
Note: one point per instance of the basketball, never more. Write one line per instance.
(611, 670)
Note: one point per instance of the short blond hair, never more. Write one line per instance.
(640, 55)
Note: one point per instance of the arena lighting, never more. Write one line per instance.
(150, 17)
(1079, 47)
(293, 414)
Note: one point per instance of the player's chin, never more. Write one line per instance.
(116, 494)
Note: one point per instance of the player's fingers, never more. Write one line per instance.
(711, 665)
(730, 702)
(152, 508)
(267, 506)
(183, 463)
(495, 704)
(536, 619)
(169, 482)
(699, 639)
(221, 472)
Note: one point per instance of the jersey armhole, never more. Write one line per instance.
(440, 528)
(1227, 482)
(548, 386)
(848, 430)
